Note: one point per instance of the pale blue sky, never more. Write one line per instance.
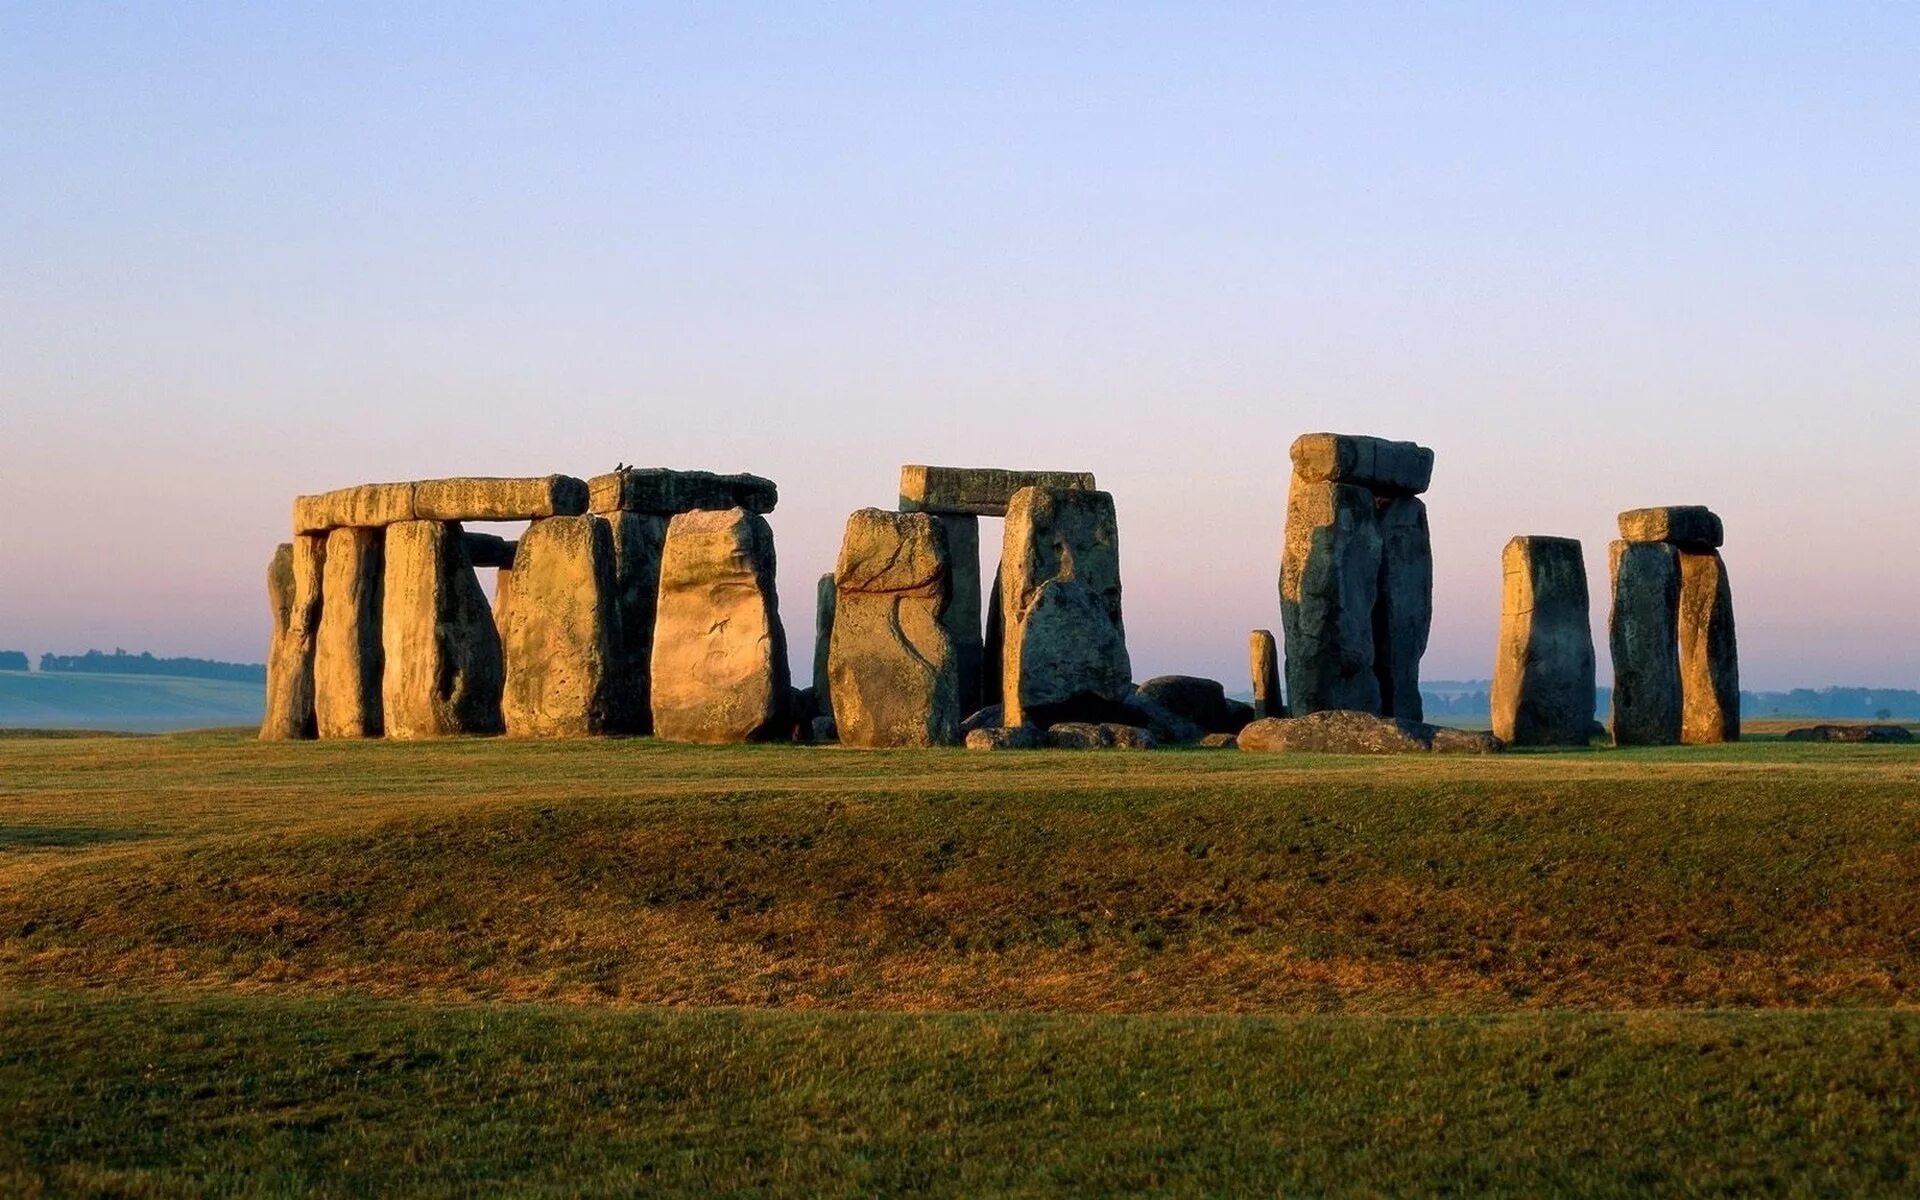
(1597, 257)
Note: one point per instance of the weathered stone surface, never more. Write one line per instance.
(1851, 733)
(986, 718)
(826, 598)
(294, 579)
(443, 670)
(1403, 606)
(977, 491)
(1220, 741)
(562, 634)
(1388, 468)
(824, 730)
(1007, 737)
(638, 540)
(1201, 701)
(502, 601)
(1693, 526)
(1168, 727)
(1347, 732)
(1709, 652)
(993, 645)
(1066, 646)
(463, 499)
(1263, 663)
(665, 492)
(1329, 580)
(962, 617)
(1644, 637)
(1105, 735)
(1543, 669)
(347, 659)
(719, 651)
(894, 675)
(488, 551)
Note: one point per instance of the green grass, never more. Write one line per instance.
(620, 965)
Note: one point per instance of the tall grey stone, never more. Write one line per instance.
(347, 659)
(962, 617)
(1543, 671)
(894, 672)
(1644, 637)
(294, 579)
(826, 596)
(638, 540)
(443, 670)
(562, 632)
(1329, 582)
(1709, 652)
(993, 646)
(1403, 607)
(720, 670)
(1065, 655)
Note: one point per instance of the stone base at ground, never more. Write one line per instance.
(1007, 737)
(1085, 735)
(1851, 733)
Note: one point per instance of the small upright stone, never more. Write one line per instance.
(293, 594)
(1065, 656)
(1709, 652)
(1645, 643)
(1263, 662)
(1543, 671)
(347, 659)
(895, 678)
(1689, 526)
(1329, 580)
(719, 652)
(561, 634)
(442, 671)
(826, 597)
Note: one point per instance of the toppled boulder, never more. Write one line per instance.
(1851, 733)
(1167, 726)
(1220, 741)
(1085, 735)
(1343, 731)
(1201, 701)
(1007, 737)
(990, 717)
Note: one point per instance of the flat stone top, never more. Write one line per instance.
(1545, 542)
(664, 492)
(465, 498)
(1693, 525)
(977, 491)
(1401, 468)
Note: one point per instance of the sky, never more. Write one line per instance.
(1598, 257)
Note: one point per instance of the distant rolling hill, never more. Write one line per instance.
(139, 703)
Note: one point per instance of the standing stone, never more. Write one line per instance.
(1403, 607)
(993, 647)
(347, 659)
(1543, 671)
(1645, 643)
(962, 617)
(1329, 580)
(638, 540)
(443, 670)
(719, 653)
(562, 632)
(825, 596)
(502, 600)
(1065, 655)
(294, 580)
(894, 671)
(1709, 654)
(1263, 662)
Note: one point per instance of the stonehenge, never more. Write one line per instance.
(1263, 663)
(442, 671)
(719, 666)
(1065, 653)
(1543, 673)
(1675, 656)
(1356, 575)
(559, 640)
(347, 659)
(892, 669)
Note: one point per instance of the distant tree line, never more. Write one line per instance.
(1847, 703)
(121, 663)
(13, 660)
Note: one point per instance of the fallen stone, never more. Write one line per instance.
(825, 731)
(1403, 606)
(1543, 670)
(1242, 714)
(1007, 737)
(443, 669)
(977, 491)
(1709, 652)
(1065, 655)
(1329, 580)
(294, 578)
(989, 717)
(562, 633)
(1220, 741)
(488, 551)
(719, 668)
(1347, 732)
(638, 540)
(895, 678)
(347, 657)
(1388, 468)
(1851, 733)
(1200, 701)
(1693, 526)
(1263, 663)
(1644, 637)
(664, 492)
(1106, 735)
(1168, 727)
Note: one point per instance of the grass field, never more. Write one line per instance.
(619, 965)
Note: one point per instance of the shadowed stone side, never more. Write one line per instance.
(719, 653)
(1329, 579)
(443, 671)
(826, 596)
(962, 617)
(993, 646)
(1263, 663)
(293, 594)
(977, 491)
(1644, 638)
(347, 659)
(895, 675)
(1065, 656)
(1387, 468)
(561, 634)
(663, 492)
(468, 498)
(638, 541)
(502, 600)
(1543, 671)
(1691, 526)
(1403, 607)
(1709, 652)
